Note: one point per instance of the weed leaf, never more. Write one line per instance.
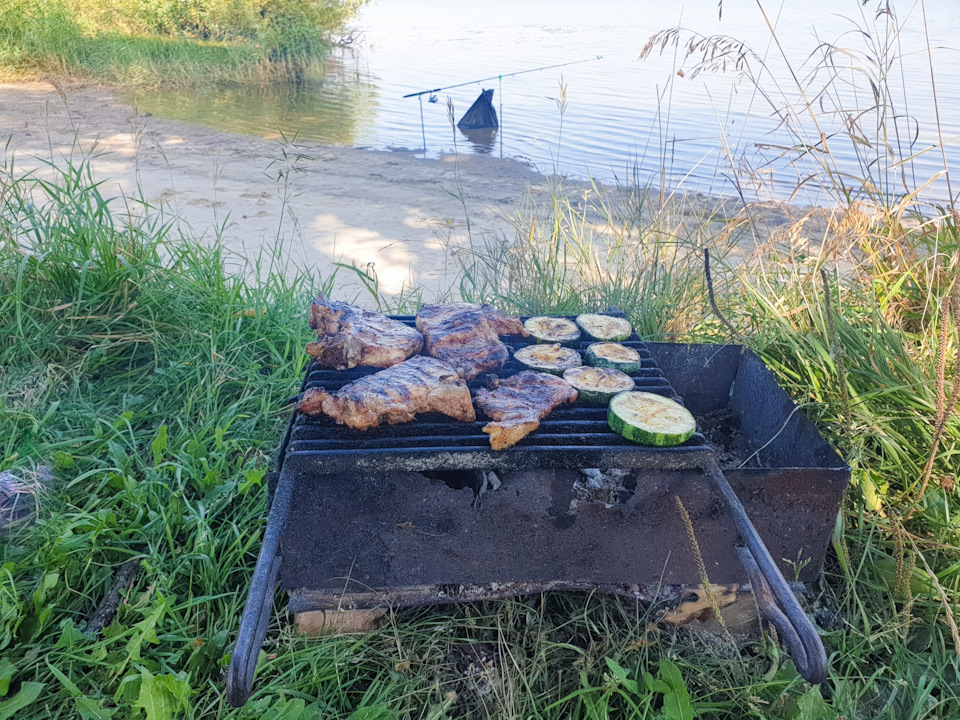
(654, 685)
(621, 675)
(90, 709)
(28, 694)
(87, 708)
(159, 444)
(288, 709)
(162, 696)
(145, 631)
(676, 703)
(7, 671)
(812, 705)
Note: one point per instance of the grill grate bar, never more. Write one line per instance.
(470, 441)
(342, 377)
(439, 429)
(571, 436)
(649, 384)
(522, 457)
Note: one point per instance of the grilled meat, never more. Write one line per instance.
(349, 336)
(519, 403)
(466, 336)
(394, 395)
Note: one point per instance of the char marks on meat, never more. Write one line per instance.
(394, 395)
(466, 335)
(519, 403)
(348, 336)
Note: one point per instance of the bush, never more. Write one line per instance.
(169, 41)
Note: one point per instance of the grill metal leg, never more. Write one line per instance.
(257, 611)
(775, 598)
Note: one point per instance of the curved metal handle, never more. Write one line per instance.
(253, 630)
(256, 612)
(797, 634)
(777, 601)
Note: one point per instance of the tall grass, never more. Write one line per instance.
(173, 43)
(603, 248)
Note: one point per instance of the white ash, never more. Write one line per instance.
(598, 487)
(489, 481)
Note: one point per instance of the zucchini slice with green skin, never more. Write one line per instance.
(553, 330)
(605, 327)
(596, 386)
(551, 359)
(613, 355)
(650, 419)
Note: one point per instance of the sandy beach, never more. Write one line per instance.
(324, 204)
(394, 212)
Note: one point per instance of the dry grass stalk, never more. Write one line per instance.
(701, 566)
(713, 53)
(944, 414)
(713, 301)
(906, 615)
(836, 350)
(906, 567)
(945, 601)
(942, 356)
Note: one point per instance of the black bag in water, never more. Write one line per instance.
(481, 114)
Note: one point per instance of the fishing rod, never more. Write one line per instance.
(500, 77)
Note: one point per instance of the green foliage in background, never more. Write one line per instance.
(146, 42)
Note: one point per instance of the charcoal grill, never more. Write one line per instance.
(360, 518)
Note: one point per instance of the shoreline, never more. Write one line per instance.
(321, 205)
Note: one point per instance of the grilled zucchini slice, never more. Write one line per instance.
(552, 359)
(605, 327)
(613, 355)
(650, 419)
(553, 330)
(596, 386)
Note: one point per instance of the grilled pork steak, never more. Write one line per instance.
(349, 336)
(466, 336)
(519, 403)
(394, 395)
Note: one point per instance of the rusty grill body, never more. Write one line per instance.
(392, 515)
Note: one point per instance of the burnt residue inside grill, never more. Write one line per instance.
(722, 431)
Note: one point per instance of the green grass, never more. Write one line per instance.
(153, 386)
(151, 43)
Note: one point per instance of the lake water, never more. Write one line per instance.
(620, 117)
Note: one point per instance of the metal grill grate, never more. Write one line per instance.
(571, 436)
